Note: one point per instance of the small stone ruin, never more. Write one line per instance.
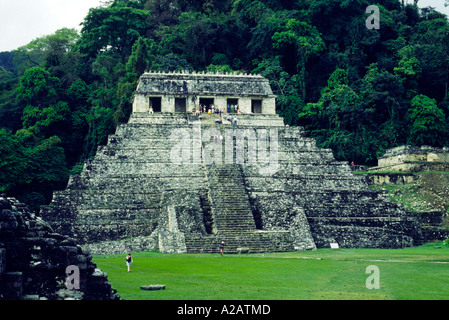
(414, 159)
(34, 260)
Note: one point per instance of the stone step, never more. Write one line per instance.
(137, 183)
(141, 168)
(229, 207)
(229, 223)
(110, 199)
(230, 197)
(232, 210)
(233, 218)
(240, 214)
(244, 214)
(252, 242)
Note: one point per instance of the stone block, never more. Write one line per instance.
(33, 262)
(153, 287)
(12, 285)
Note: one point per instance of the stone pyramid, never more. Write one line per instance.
(178, 183)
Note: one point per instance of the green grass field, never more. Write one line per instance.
(418, 273)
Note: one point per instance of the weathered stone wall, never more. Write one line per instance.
(390, 178)
(194, 86)
(414, 167)
(33, 260)
(339, 206)
(431, 225)
(133, 191)
(410, 158)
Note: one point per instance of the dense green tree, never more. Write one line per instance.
(78, 96)
(26, 170)
(37, 87)
(15, 163)
(114, 28)
(285, 86)
(196, 36)
(172, 62)
(431, 39)
(101, 124)
(338, 120)
(332, 18)
(49, 167)
(163, 13)
(44, 122)
(428, 123)
(10, 109)
(382, 93)
(53, 52)
(306, 41)
(272, 69)
(142, 57)
(409, 70)
(7, 62)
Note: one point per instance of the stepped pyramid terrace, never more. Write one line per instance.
(180, 181)
(414, 159)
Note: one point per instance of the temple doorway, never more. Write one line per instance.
(232, 105)
(156, 104)
(207, 103)
(256, 106)
(180, 105)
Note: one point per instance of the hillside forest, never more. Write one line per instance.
(356, 90)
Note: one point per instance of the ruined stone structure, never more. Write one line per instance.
(414, 159)
(34, 260)
(404, 165)
(182, 183)
(185, 92)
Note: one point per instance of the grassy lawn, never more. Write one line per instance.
(419, 273)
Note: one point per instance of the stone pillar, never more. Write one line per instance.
(221, 103)
(269, 105)
(191, 103)
(245, 104)
(171, 240)
(141, 103)
(168, 104)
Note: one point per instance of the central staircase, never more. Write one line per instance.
(232, 210)
(233, 218)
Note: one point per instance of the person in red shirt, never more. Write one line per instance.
(222, 246)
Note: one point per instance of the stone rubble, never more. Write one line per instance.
(34, 259)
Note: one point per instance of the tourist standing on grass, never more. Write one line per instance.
(222, 245)
(129, 260)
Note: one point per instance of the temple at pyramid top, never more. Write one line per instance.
(187, 92)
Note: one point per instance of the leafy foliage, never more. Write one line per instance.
(428, 123)
(114, 28)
